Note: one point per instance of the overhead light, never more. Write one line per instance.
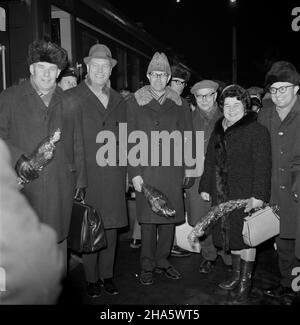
(178, 1)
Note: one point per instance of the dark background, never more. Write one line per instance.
(201, 32)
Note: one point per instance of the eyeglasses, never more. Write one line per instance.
(179, 82)
(282, 89)
(159, 75)
(207, 96)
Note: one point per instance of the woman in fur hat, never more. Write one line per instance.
(237, 166)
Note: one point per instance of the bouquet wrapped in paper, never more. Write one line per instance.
(213, 215)
(43, 153)
(158, 201)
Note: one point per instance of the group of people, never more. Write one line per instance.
(248, 155)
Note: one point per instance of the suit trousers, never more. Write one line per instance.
(100, 265)
(286, 260)
(157, 241)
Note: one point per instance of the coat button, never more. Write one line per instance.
(156, 123)
(280, 133)
(281, 152)
(103, 123)
(282, 169)
(282, 187)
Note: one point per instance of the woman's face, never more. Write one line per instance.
(233, 110)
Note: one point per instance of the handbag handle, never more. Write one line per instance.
(274, 207)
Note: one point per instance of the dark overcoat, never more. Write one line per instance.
(195, 206)
(285, 138)
(241, 159)
(146, 114)
(106, 184)
(24, 122)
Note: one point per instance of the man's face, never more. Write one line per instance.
(206, 98)
(99, 71)
(283, 94)
(178, 84)
(44, 75)
(158, 80)
(68, 82)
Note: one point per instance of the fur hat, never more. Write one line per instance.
(100, 51)
(178, 72)
(42, 51)
(282, 71)
(159, 62)
(204, 84)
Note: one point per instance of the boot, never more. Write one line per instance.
(233, 281)
(245, 283)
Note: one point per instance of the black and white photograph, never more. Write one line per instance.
(149, 156)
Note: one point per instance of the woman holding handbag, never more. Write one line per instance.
(237, 166)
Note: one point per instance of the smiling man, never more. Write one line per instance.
(103, 109)
(283, 121)
(29, 113)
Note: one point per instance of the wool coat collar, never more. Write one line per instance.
(143, 96)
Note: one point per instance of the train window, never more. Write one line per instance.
(2, 20)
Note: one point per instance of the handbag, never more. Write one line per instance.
(86, 234)
(260, 226)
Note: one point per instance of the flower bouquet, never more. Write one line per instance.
(43, 153)
(157, 201)
(214, 214)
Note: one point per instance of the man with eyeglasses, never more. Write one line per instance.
(283, 122)
(204, 116)
(158, 108)
(179, 80)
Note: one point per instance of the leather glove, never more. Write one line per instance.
(24, 169)
(188, 182)
(80, 194)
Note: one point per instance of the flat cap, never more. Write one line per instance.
(204, 84)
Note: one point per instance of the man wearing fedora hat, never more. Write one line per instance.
(157, 108)
(103, 109)
(282, 119)
(29, 113)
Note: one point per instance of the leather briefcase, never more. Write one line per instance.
(86, 234)
(260, 226)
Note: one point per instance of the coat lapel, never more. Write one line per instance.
(113, 102)
(92, 100)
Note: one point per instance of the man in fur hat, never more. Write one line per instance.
(156, 107)
(282, 119)
(29, 113)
